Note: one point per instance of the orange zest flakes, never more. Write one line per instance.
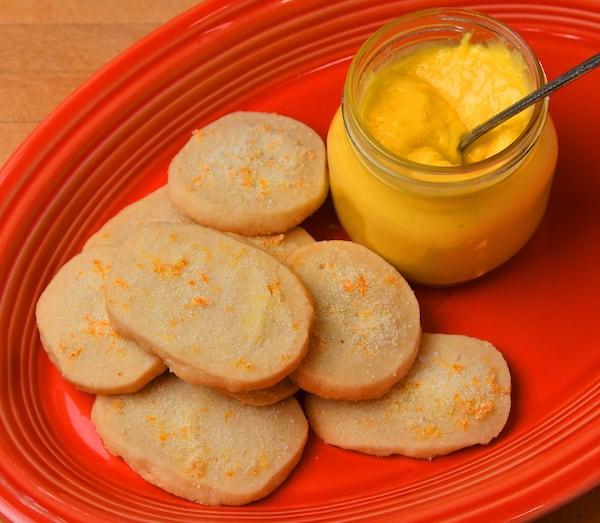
(263, 463)
(164, 436)
(247, 176)
(274, 288)
(475, 409)
(204, 169)
(326, 265)
(174, 321)
(202, 300)
(273, 240)
(462, 424)
(96, 327)
(202, 276)
(360, 284)
(121, 283)
(150, 418)
(457, 367)
(483, 410)
(425, 432)
(101, 269)
(169, 269)
(389, 278)
(198, 301)
(76, 353)
(348, 285)
(431, 430)
(233, 471)
(197, 468)
(264, 184)
(244, 363)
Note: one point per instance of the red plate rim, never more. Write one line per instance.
(88, 140)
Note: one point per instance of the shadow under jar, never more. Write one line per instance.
(441, 223)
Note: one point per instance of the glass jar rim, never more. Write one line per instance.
(478, 171)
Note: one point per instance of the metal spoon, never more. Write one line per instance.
(530, 99)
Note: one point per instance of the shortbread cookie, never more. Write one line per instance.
(75, 332)
(251, 173)
(199, 444)
(456, 395)
(218, 311)
(281, 390)
(155, 207)
(280, 245)
(367, 321)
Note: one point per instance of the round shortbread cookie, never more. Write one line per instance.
(456, 395)
(75, 331)
(155, 207)
(367, 321)
(200, 445)
(218, 311)
(280, 245)
(251, 173)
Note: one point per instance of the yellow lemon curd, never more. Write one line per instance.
(443, 226)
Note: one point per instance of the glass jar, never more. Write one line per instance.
(439, 225)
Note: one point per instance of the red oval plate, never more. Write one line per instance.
(109, 143)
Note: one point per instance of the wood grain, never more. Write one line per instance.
(48, 48)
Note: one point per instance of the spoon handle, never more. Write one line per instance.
(530, 99)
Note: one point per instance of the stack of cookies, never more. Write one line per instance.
(198, 312)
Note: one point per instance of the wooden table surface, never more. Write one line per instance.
(49, 47)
